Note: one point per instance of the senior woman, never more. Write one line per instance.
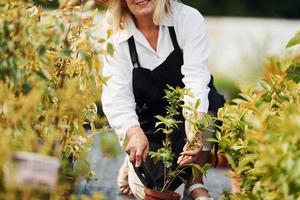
(157, 43)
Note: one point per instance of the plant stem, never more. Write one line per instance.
(167, 185)
(165, 176)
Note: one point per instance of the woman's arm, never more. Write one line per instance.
(193, 40)
(117, 96)
(119, 106)
(194, 43)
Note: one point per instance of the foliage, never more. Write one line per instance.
(109, 143)
(255, 8)
(260, 134)
(49, 83)
(228, 87)
(294, 41)
(167, 124)
(47, 3)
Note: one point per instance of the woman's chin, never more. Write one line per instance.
(144, 12)
(145, 8)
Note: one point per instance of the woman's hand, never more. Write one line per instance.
(138, 145)
(189, 155)
(193, 148)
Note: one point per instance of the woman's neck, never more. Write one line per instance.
(145, 23)
(147, 27)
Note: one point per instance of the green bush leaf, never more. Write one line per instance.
(110, 49)
(294, 41)
(293, 72)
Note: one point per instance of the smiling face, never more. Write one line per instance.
(140, 8)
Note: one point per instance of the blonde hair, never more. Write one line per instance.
(118, 12)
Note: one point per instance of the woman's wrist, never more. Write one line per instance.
(199, 116)
(133, 131)
(191, 135)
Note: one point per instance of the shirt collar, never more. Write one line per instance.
(131, 29)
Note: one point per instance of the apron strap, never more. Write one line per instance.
(174, 38)
(132, 48)
(133, 53)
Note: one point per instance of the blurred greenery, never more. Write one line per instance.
(253, 8)
(49, 81)
(109, 144)
(250, 8)
(260, 132)
(227, 87)
(47, 3)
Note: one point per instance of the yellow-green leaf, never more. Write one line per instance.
(294, 41)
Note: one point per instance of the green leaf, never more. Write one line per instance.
(218, 135)
(197, 167)
(236, 147)
(67, 151)
(206, 167)
(110, 49)
(160, 118)
(265, 85)
(230, 159)
(187, 107)
(158, 124)
(293, 72)
(195, 173)
(197, 104)
(212, 140)
(246, 161)
(41, 51)
(294, 41)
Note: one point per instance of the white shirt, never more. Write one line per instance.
(117, 96)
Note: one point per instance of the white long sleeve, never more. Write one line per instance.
(192, 33)
(117, 96)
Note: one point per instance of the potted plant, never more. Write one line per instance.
(167, 124)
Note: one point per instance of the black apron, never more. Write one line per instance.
(148, 88)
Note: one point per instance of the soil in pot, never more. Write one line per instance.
(157, 195)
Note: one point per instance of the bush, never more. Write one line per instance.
(254, 8)
(260, 134)
(49, 83)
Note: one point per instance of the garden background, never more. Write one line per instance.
(247, 40)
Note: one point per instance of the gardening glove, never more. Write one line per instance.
(138, 145)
